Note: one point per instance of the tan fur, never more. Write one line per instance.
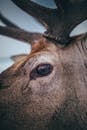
(54, 102)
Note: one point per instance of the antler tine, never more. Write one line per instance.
(39, 12)
(69, 14)
(59, 7)
(20, 34)
(65, 4)
(7, 22)
(13, 31)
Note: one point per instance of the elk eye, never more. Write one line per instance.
(44, 69)
(41, 70)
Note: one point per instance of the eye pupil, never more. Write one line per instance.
(44, 69)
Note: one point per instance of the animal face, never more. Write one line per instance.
(44, 90)
(47, 90)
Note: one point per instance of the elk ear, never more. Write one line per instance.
(16, 58)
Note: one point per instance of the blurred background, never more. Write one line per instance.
(9, 46)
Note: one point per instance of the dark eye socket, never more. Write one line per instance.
(41, 70)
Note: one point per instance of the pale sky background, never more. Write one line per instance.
(8, 46)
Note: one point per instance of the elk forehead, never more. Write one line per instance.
(42, 50)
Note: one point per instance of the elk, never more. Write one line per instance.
(47, 89)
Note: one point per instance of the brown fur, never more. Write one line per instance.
(54, 102)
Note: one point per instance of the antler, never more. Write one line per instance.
(20, 34)
(13, 31)
(60, 21)
(7, 22)
(39, 12)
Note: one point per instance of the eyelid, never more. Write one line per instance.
(41, 59)
(39, 63)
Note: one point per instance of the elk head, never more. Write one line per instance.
(47, 90)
